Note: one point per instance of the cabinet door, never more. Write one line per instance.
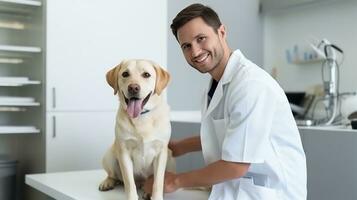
(87, 38)
(78, 141)
(329, 150)
(191, 161)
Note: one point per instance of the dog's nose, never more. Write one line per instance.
(133, 89)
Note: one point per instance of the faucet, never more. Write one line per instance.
(330, 85)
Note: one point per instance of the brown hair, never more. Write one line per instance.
(193, 11)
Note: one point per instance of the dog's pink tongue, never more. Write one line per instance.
(134, 108)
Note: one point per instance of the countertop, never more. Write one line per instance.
(83, 185)
(194, 116)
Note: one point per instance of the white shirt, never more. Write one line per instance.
(249, 120)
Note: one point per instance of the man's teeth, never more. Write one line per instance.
(202, 58)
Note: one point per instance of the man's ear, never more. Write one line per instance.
(222, 30)
(162, 79)
(112, 78)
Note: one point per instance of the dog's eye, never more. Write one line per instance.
(125, 74)
(146, 75)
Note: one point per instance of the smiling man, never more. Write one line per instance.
(249, 139)
(204, 48)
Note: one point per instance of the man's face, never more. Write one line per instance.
(201, 45)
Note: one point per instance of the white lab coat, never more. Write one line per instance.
(249, 120)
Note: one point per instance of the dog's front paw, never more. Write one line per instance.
(152, 198)
(157, 198)
(133, 196)
(107, 184)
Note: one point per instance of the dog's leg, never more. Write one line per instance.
(126, 167)
(159, 174)
(110, 164)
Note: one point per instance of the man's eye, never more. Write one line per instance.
(146, 75)
(184, 47)
(125, 74)
(200, 39)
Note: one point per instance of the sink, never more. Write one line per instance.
(331, 127)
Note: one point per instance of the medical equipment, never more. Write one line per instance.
(328, 51)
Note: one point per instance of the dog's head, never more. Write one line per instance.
(136, 81)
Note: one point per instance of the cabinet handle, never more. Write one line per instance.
(53, 126)
(53, 97)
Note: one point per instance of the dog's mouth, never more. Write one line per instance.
(135, 105)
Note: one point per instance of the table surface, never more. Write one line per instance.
(84, 185)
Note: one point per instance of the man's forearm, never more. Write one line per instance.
(192, 144)
(212, 174)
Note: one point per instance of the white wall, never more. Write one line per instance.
(335, 21)
(244, 31)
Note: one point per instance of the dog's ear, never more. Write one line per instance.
(162, 79)
(112, 78)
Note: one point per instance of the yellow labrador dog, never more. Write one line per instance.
(142, 128)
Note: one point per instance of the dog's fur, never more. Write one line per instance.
(142, 132)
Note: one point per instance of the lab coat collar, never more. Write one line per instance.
(234, 62)
(232, 66)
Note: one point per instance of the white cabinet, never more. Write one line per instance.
(331, 162)
(182, 129)
(77, 141)
(78, 40)
(87, 38)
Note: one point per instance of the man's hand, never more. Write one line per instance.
(209, 175)
(148, 185)
(181, 147)
(170, 183)
(176, 149)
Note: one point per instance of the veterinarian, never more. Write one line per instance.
(249, 139)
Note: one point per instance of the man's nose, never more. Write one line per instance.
(196, 50)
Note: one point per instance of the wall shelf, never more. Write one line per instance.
(10, 60)
(15, 25)
(19, 7)
(27, 49)
(303, 62)
(17, 81)
(19, 104)
(18, 129)
(23, 2)
(11, 109)
(20, 84)
(17, 101)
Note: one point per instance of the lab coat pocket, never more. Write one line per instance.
(249, 191)
(220, 129)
